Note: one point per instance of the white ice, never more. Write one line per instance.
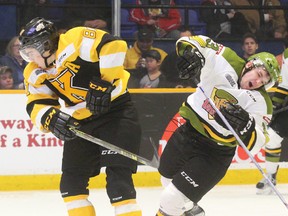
(220, 201)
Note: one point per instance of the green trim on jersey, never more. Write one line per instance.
(234, 60)
(268, 100)
(187, 113)
(285, 53)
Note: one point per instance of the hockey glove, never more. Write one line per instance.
(58, 123)
(98, 98)
(190, 63)
(240, 120)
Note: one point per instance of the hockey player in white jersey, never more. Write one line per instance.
(199, 153)
(279, 126)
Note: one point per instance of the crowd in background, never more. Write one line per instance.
(149, 65)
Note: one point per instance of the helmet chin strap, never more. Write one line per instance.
(46, 60)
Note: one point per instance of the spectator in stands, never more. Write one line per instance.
(13, 60)
(280, 57)
(249, 45)
(154, 78)
(6, 78)
(169, 69)
(264, 23)
(223, 23)
(39, 8)
(98, 16)
(164, 22)
(134, 61)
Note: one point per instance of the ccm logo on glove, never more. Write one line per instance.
(48, 118)
(97, 87)
(59, 124)
(98, 98)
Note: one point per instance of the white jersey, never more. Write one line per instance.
(220, 81)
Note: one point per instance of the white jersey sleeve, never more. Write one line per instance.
(219, 79)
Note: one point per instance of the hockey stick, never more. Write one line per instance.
(280, 110)
(153, 163)
(244, 147)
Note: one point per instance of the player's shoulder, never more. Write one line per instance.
(266, 98)
(78, 33)
(36, 75)
(30, 67)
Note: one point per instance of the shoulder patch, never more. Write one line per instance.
(230, 79)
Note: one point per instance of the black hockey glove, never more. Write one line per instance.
(240, 120)
(98, 98)
(190, 63)
(58, 123)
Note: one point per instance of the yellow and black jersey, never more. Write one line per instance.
(83, 53)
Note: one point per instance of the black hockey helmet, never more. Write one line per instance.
(39, 34)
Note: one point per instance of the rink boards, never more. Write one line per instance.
(31, 160)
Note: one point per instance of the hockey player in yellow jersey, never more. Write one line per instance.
(84, 68)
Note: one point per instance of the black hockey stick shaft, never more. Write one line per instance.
(153, 163)
(280, 110)
(244, 147)
(283, 108)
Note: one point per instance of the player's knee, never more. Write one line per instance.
(120, 185)
(127, 208)
(71, 185)
(172, 201)
(79, 205)
(275, 140)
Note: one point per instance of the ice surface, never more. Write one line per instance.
(220, 201)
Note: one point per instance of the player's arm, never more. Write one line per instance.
(43, 106)
(190, 61)
(252, 130)
(111, 53)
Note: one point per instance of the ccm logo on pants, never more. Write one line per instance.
(189, 179)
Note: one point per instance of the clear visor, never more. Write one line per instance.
(29, 53)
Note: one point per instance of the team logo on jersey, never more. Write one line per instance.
(220, 97)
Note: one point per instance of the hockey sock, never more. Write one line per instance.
(79, 205)
(127, 208)
(271, 167)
